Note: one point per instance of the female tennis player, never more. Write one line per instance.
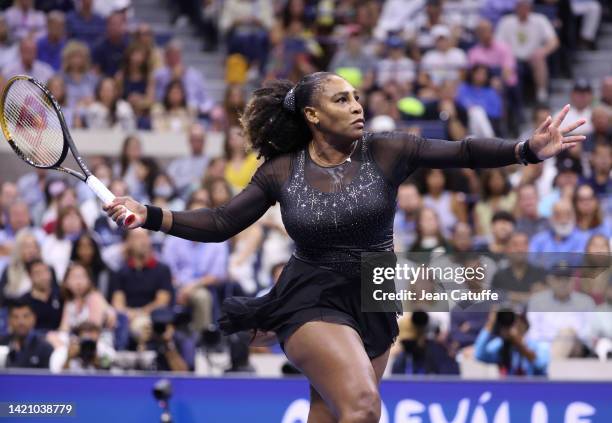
(336, 185)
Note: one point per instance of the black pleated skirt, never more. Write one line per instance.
(304, 293)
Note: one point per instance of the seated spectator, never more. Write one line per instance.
(108, 111)
(108, 52)
(57, 88)
(496, 195)
(83, 302)
(409, 202)
(26, 347)
(173, 114)
(601, 327)
(9, 52)
(528, 219)
(502, 342)
(450, 206)
(15, 281)
(563, 237)
(419, 29)
(396, 66)
(25, 21)
(76, 71)
(594, 275)
(590, 12)
(520, 279)
(601, 120)
(445, 107)
(502, 227)
(87, 351)
(129, 158)
(18, 218)
(532, 39)
(241, 165)
(192, 79)
(478, 92)
(135, 77)
(142, 284)
(465, 325)
(50, 46)
(44, 298)
(31, 189)
(581, 99)
(494, 10)
(144, 36)
(27, 64)
(245, 25)
(569, 172)
(445, 62)
(589, 216)
(187, 172)
(86, 252)
(420, 354)
(599, 181)
(559, 316)
(234, 103)
(147, 170)
(164, 193)
(84, 24)
(429, 236)
(58, 245)
(353, 63)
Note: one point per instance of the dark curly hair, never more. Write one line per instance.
(272, 129)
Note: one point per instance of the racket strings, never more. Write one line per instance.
(33, 124)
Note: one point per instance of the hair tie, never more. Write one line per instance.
(289, 101)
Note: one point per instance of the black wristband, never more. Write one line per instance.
(154, 218)
(529, 154)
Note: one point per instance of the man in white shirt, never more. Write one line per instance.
(396, 67)
(532, 39)
(445, 62)
(187, 172)
(24, 20)
(581, 100)
(27, 63)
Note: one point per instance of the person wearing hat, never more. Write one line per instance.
(418, 29)
(532, 39)
(396, 67)
(581, 100)
(445, 62)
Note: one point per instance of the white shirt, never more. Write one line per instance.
(39, 70)
(444, 65)
(401, 71)
(574, 114)
(525, 37)
(186, 171)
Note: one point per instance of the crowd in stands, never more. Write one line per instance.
(78, 293)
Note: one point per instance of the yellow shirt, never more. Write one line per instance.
(239, 177)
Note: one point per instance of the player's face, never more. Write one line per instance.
(337, 110)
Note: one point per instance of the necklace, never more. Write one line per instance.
(325, 163)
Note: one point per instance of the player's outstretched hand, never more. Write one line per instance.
(550, 138)
(118, 209)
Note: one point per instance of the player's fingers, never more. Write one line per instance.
(573, 139)
(569, 145)
(544, 125)
(117, 214)
(571, 127)
(560, 116)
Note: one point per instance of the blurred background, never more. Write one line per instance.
(153, 91)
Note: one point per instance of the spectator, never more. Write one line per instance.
(478, 92)
(25, 21)
(135, 78)
(57, 88)
(596, 271)
(606, 92)
(50, 46)
(51, 5)
(563, 237)
(445, 62)
(173, 114)
(26, 348)
(147, 170)
(192, 79)
(15, 280)
(532, 39)
(27, 64)
(569, 171)
(409, 202)
(76, 71)
(87, 351)
(420, 354)
(396, 67)
(83, 302)
(8, 195)
(351, 62)
(143, 35)
(109, 111)
(142, 284)
(589, 216)
(8, 48)
(109, 51)
(429, 238)
(590, 12)
(84, 24)
(233, 106)
(601, 166)
(241, 165)
(18, 218)
(449, 206)
(580, 100)
(601, 327)
(601, 120)
(502, 227)
(109, 233)
(131, 153)
(58, 246)
(445, 107)
(187, 172)
(496, 195)
(44, 298)
(86, 253)
(559, 316)
(528, 219)
(520, 279)
(502, 342)
(420, 29)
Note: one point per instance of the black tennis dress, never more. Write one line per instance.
(333, 214)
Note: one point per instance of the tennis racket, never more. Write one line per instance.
(34, 126)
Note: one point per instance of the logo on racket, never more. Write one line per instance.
(32, 121)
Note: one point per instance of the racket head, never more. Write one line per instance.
(32, 122)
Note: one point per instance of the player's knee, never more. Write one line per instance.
(364, 407)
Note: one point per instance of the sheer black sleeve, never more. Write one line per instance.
(398, 154)
(219, 224)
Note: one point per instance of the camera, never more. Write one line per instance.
(87, 349)
(504, 320)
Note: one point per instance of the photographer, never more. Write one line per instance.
(175, 351)
(85, 352)
(420, 353)
(502, 342)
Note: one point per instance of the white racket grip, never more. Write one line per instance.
(106, 196)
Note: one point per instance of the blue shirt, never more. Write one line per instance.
(87, 31)
(108, 55)
(546, 242)
(51, 53)
(190, 260)
(486, 97)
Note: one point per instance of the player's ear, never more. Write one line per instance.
(311, 115)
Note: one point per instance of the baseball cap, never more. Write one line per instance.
(582, 84)
(395, 41)
(440, 31)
